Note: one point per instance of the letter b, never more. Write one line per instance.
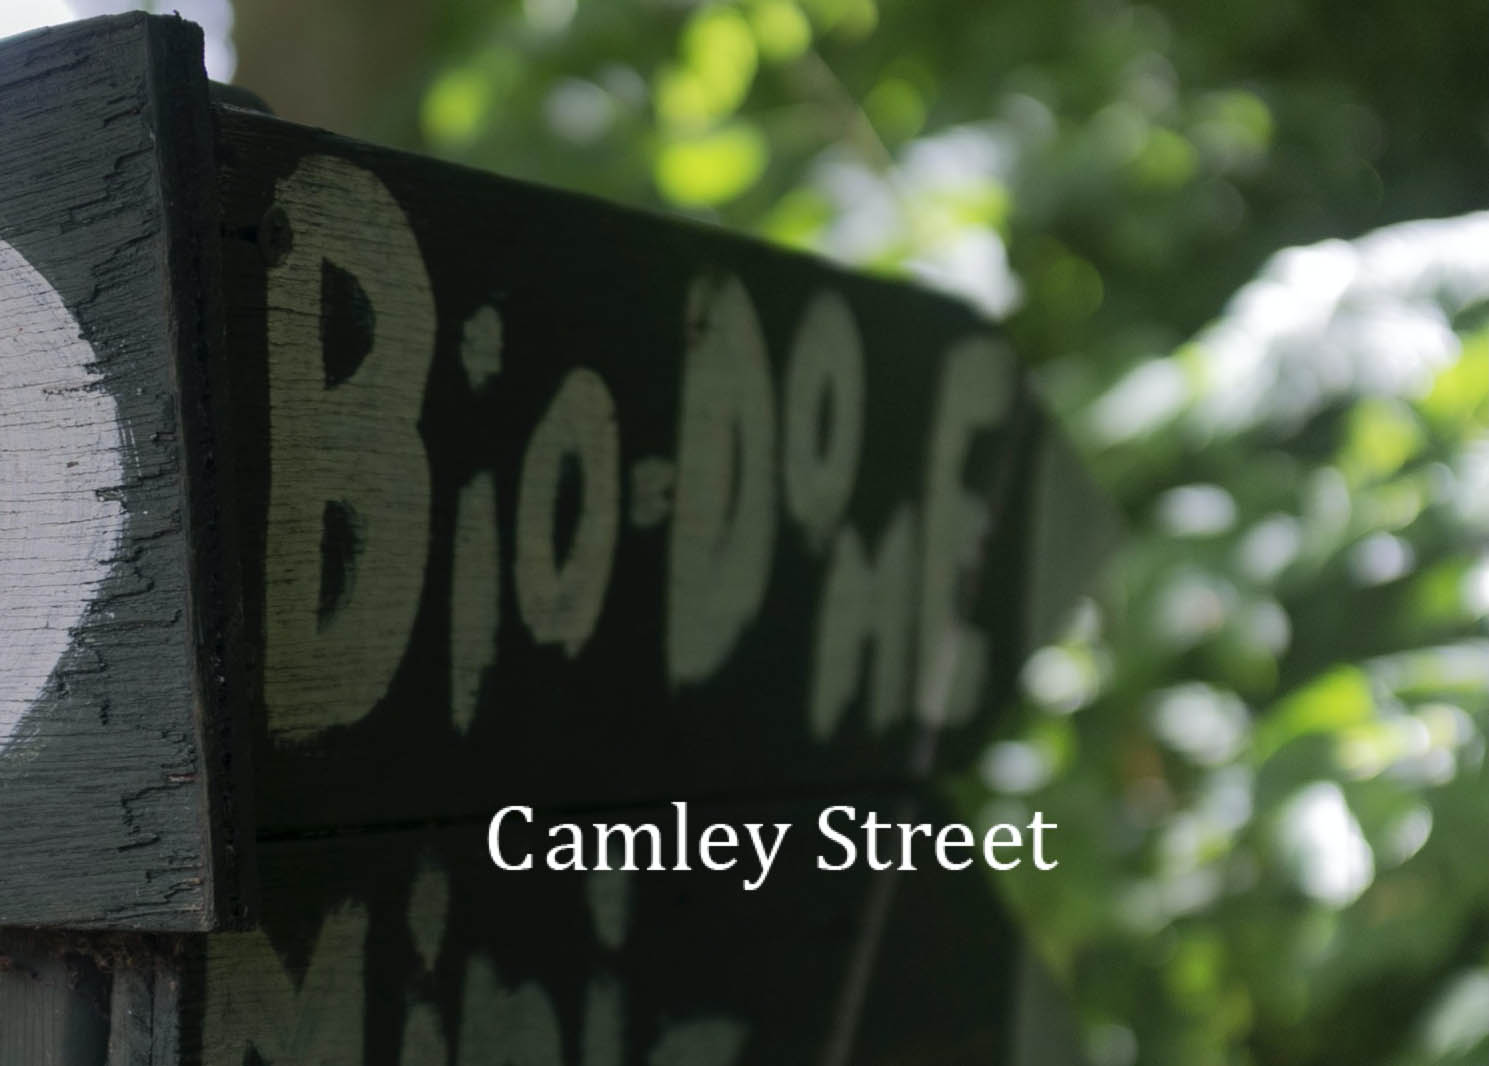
(350, 319)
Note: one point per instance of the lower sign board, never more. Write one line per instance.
(379, 953)
(359, 499)
(405, 948)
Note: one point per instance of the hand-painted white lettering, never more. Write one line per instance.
(349, 489)
(608, 893)
(481, 346)
(724, 521)
(475, 596)
(975, 392)
(60, 455)
(705, 1042)
(252, 1002)
(505, 1028)
(974, 396)
(423, 1037)
(258, 1011)
(428, 912)
(823, 417)
(560, 602)
(604, 1023)
(350, 337)
(428, 921)
(865, 606)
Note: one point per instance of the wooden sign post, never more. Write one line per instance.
(369, 524)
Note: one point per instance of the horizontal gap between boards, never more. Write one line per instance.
(826, 795)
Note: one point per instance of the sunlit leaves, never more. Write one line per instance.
(1459, 398)
(716, 66)
(549, 16)
(1312, 467)
(713, 167)
(1338, 699)
(1234, 127)
(1457, 1027)
(457, 105)
(1381, 436)
(896, 108)
(850, 19)
(1323, 846)
(580, 111)
(782, 30)
(798, 218)
(1064, 284)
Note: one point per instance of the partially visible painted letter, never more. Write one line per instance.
(976, 390)
(824, 417)
(723, 524)
(560, 600)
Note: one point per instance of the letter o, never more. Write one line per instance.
(826, 365)
(561, 602)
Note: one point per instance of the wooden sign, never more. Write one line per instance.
(117, 594)
(525, 473)
(355, 499)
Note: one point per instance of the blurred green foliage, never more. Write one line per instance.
(1264, 739)
(1270, 729)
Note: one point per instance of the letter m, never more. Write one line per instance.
(255, 1009)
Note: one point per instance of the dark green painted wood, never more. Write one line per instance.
(116, 806)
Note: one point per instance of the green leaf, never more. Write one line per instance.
(1331, 702)
(896, 108)
(851, 19)
(782, 31)
(1166, 161)
(713, 168)
(456, 106)
(797, 218)
(719, 60)
(1382, 435)
(1460, 394)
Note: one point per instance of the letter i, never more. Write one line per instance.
(428, 912)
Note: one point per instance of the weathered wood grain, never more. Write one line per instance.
(54, 1005)
(102, 1000)
(116, 594)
